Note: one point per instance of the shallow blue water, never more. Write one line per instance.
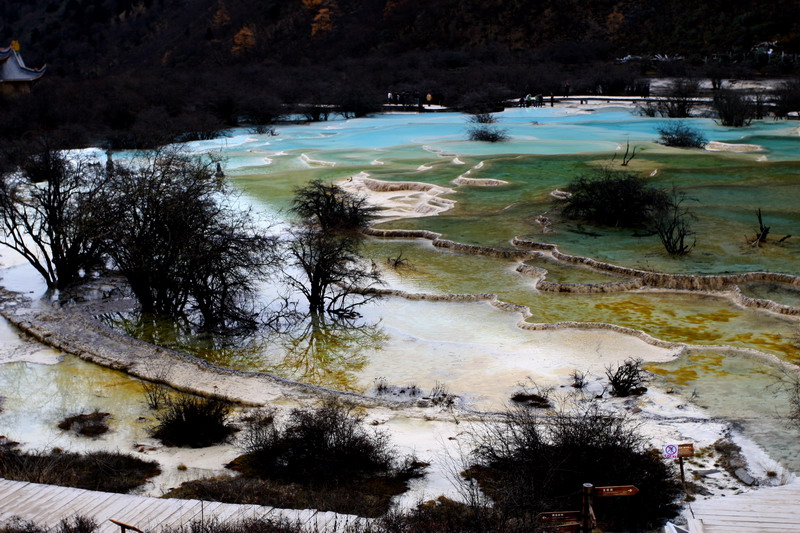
(532, 130)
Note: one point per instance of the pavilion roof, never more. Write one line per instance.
(13, 68)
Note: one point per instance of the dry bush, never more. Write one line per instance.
(328, 444)
(535, 463)
(321, 458)
(531, 394)
(484, 133)
(75, 524)
(681, 135)
(482, 118)
(627, 378)
(193, 421)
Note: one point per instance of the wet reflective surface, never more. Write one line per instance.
(477, 350)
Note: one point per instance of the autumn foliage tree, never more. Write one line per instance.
(244, 41)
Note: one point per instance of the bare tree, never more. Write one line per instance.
(325, 250)
(671, 224)
(680, 99)
(48, 210)
(786, 98)
(331, 274)
(734, 109)
(186, 250)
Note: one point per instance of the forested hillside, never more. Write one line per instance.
(85, 37)
(137, 73)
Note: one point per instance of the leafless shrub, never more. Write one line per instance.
(259, 426)
(533, 463)
(155, 392)
(579, 379)
(482, 118)
(627, 378)
(681, 135)
(484, 133)
(531, 394)
(440, 395)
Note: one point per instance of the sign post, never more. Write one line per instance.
(679, 451)
(616, 490)
(560, 521)
(586, 506)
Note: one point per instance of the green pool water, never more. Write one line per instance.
(549, 149)
(723, 190)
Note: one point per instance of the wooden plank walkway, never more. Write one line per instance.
(765, 510)
(46, 505)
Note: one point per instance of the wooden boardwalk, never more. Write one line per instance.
(46, 505)
(765, 510)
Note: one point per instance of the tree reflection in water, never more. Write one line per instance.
(322, 350)
(243, 351)
(315, 349)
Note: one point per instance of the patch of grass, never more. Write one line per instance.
(730, 455)
(104, 471)
(368, 497)
(193, 421)
(383, 388)
(90, 425)
(440, 396)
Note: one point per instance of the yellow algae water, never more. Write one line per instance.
(673, 316)
(746, 390)
(37, 397)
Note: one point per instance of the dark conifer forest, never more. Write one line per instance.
(128, 73)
